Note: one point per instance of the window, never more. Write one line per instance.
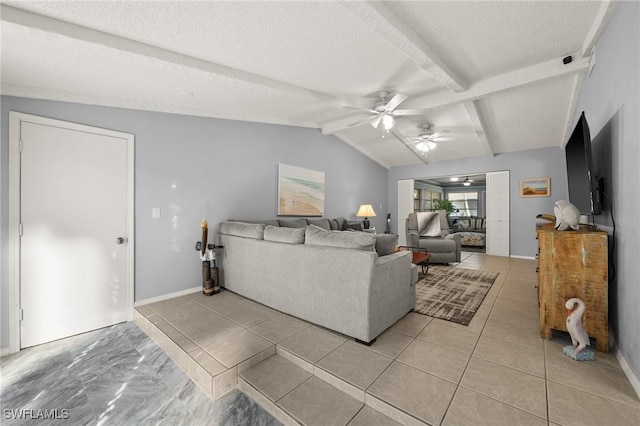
(465, 202)
(429, 197)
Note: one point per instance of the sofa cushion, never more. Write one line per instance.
(284, 234)
(297, 223)
(333, 224)
(273, 222)
(321, 223)
(428, 224)
(241, 229)
(386, 243)
(352, 240)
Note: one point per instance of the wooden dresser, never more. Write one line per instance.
(573, 264)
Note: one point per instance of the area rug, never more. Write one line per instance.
(453, 294)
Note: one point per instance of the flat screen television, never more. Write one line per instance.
(583, 191)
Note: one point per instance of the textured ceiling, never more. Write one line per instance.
(487, 75)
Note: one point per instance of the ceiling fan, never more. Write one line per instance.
(384, 111)
(426, 141)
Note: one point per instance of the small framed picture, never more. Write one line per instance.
(537, 187)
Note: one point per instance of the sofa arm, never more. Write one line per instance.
(412, 238)
(458, 239)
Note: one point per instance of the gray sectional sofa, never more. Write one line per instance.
(334, 279)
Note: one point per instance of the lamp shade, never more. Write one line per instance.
(366, 210)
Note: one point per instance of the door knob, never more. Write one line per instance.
(120, 240)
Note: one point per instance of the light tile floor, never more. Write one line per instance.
(495, 370)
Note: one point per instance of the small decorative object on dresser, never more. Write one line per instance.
(579, 337)
(567, 216)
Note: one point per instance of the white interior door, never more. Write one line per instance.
(498, 214)
(74, 272)
(405, 206)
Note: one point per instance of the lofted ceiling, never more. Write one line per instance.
(485, 77)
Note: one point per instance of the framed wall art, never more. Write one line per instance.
(300, 191)
(537, 187)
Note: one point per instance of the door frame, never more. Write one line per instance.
(15, 119)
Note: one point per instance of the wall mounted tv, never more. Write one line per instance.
(583, 191)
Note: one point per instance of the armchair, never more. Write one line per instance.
(430, 231)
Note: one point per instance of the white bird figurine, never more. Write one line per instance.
(567, 215)
(579, 336)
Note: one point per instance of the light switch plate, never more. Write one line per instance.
(155, 213)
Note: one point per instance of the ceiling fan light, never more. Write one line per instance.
(466, 183)
(387, 121)
(425, 146)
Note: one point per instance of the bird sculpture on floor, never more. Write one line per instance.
(579, 336)
(567, 216)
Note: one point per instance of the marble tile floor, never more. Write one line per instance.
(496, 370)
(112, 376)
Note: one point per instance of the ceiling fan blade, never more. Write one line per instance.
(395, 101)
(376, 121)
(409, 112)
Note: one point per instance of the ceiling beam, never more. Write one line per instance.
(411, 147)
(479, 127)
(77, 32)
(385, 23)
(514, 79)
(605, 11)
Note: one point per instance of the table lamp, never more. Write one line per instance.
(366, 211)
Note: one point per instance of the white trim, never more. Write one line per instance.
(167, 296)
(633, 379)
(15, 118)
(523, 257)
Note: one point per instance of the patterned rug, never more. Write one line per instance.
(453, 294)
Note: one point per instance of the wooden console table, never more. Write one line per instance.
(573, 264)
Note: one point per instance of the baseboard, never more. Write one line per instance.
(523, 257)
(628, 372)
(166, 296)
(4, 352)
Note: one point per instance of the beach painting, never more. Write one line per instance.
(300, 191)
(538, 187)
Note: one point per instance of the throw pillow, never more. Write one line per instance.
(284, 235)
(352, 240)
(297, 223)
(322, 223)
(386, 244)
(246, 230)
(341, 221)
(353, 225)
(463, 224)
(333, 224)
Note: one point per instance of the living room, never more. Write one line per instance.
(192, 166)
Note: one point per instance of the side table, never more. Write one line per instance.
(420, 257)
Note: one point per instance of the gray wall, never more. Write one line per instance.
(221, 169)
(549, 162)
(610, 99)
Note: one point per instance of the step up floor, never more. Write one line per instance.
(299, 372)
